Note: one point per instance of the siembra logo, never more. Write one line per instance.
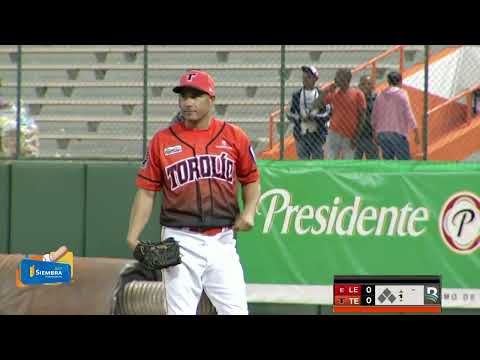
(342, 219)
(459, 222)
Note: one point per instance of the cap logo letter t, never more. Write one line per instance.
(191, 76)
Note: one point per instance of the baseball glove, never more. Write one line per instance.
(160, 255)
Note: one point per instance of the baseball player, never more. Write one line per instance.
(195, 164)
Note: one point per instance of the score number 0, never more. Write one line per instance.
(368, 292)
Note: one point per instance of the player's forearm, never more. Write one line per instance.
(250, 195)
(139, 216)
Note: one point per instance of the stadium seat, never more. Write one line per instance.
(101, 86)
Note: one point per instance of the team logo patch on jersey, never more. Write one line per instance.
(224, 145)
(173, 150)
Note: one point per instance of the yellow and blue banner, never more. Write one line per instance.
(34, 270)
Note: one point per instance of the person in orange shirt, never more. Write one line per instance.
(349, 106)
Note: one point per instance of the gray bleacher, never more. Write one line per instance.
(88, 99)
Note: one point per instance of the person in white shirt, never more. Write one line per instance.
(310, 117)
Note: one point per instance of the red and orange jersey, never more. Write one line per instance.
(197, 171)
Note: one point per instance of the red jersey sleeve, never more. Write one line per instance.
(150, 176)
(247, 170)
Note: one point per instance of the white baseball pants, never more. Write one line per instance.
(209, 263)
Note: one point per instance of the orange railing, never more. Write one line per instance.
(468, 94)
(452, 132)
(372, 63)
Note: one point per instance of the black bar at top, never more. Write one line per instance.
(390, 280)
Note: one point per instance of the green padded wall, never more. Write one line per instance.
(4, 206)
(110, 193)
(47, 207)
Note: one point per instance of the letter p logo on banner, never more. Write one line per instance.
(459, 223)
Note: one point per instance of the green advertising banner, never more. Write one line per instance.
(318, 219)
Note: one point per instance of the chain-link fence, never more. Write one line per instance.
(295, 102)
(247, 83)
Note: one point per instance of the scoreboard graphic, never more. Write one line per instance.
(387, 294)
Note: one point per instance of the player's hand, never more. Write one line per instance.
(244, 222)
(132, 243)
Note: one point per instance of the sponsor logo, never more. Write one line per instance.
(342, 219)
(172, 150)
(36, 270)
(52, 273)
(432, 295)
(224, 145)
(459, 223)
(218, 167)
